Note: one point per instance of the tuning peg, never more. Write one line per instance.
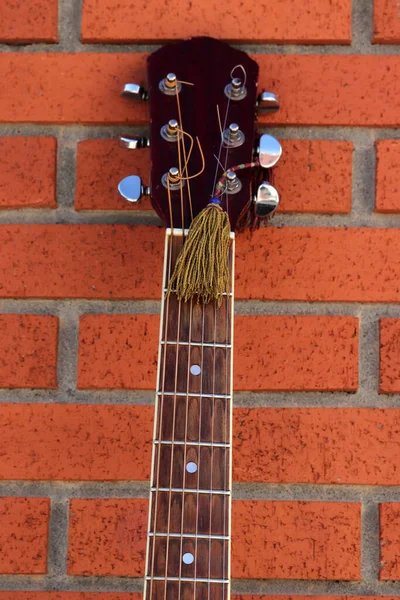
(134, 142)
(268, 102)
(266, 201)
(133, 90)
(269, 151)
(132, 189)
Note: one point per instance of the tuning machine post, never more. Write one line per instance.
(132, 189)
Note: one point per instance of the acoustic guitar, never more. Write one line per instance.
(210, 175)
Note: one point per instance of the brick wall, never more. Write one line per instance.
(316, 508)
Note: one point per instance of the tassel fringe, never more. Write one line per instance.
(202, 267)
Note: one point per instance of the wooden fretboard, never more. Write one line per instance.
(188, 550)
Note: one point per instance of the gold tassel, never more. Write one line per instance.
(202, 268)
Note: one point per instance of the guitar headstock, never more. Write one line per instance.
(203, 100)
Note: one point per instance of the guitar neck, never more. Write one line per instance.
(188, 549)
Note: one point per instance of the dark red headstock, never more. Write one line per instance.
(212, 79)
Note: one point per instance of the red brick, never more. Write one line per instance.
(389, 517)
(80, 261)
(387, 176)
(118, 351)
(23, 535)
(107, 537)
(316, 445)
(389, 381)
(69, 88)
(33, 21)
(325, 22)
(312, 176)
(101, 164)
(271, 353)
(386, 22)
(303, 353)
(28, 174)
(75, 442)
(28, 351)
(295, 540)
(285, 540)
(319, 264)
(122, 261)
(282, 445)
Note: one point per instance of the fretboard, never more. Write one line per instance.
(188, 549)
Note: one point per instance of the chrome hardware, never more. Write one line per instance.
(269, 151)
(133, 90)
(232, 137)
(132, 189)
(169, 85)
(268, 101)
(233, 183)
(235, 90)
(266, 201)
(170, 180)
(134, 142)
(170, 131)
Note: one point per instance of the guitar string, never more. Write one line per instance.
(223, 542)
(160, 401)
(227, 427)
(228, 401)
(180, 140)
(199, 437)
(212, 448)
(160, 411)
(185, 175)
(227, 414)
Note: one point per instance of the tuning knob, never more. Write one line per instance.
(132, 189)
(268, 102)
(269, 151)
(266, 201)
(134, 142)
(133, 90)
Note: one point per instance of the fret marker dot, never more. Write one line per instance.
(188, 558)
(191, 467)
(195, 370)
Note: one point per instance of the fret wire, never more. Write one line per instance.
(182, 442)
(194, 395)
(190, 490)
(197, 344)
(186, 579)
(189, 535)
